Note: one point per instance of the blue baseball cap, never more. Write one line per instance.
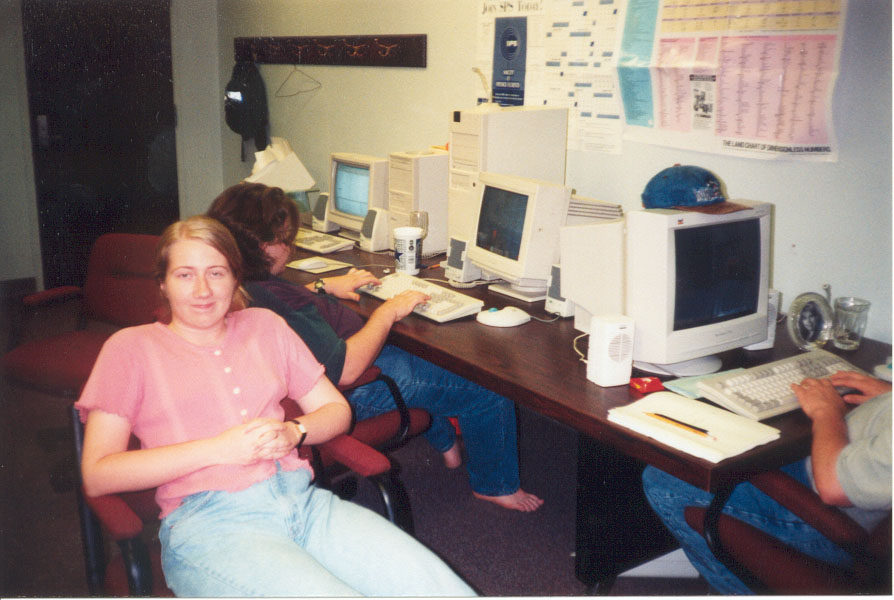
(687, 188)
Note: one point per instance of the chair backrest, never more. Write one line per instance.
(120, 288)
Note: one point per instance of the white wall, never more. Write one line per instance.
(367, 110)
(832, 220)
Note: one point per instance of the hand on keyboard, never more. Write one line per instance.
(402, 304)
(345, 286)
(819, 397)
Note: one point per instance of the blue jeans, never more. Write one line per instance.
(286, 537)
(669, 496)
(487, 420)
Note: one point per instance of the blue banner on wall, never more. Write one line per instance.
(510, 54)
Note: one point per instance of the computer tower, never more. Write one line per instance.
(526, 141)
(417, 180)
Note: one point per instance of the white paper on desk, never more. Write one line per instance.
(729, 434)
(287, 173)
(331, 265)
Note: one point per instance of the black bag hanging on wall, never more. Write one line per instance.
(245, 104)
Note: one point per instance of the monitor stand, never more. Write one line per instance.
(354, 236)
(687, 368)
(523, 294)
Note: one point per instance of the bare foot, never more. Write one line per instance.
(453, 457)
(520, 500)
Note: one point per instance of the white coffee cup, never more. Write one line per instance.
(407, 249)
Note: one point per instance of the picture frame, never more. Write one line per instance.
(810, 321)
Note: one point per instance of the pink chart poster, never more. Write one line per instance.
(736, 77)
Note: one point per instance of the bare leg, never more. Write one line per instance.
(453, 456)
(520, 500)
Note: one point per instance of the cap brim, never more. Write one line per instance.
(718, 208)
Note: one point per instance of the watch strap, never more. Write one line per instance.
(302, 429)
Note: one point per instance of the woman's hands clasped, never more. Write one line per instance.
(259, 439)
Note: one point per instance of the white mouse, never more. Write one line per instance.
(309, 264)
(508, 316)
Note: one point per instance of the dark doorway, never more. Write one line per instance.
(101, 101)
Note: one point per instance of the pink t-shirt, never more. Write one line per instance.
(173, 391)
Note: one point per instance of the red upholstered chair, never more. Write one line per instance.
(767, 565)
(383, 432)
(120, 290)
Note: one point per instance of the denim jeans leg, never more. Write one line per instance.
(669, 497)
(372, 555)
(284, 537)
(221, 544)
(487, 420)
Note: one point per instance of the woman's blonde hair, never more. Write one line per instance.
(212, 233)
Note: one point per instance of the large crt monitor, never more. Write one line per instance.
(357, 182)
(517, 222)
(696, 285)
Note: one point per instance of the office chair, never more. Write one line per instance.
(383, 432)
(120, 290)
(767, 565)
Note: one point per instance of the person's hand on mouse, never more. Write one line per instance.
(344, 286)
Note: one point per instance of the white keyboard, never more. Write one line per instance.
(321, 243)
(763, 391)
(445, 304)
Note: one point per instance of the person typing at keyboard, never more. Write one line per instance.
(264, 221)
(849, 467)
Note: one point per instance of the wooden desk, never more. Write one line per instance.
(535, 365)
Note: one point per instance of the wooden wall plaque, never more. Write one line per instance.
(344, 50)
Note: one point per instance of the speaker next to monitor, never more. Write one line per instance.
(375, 235)
(319, 222)
(610, 356)
(555, 302)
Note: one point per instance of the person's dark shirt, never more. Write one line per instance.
(320, 320)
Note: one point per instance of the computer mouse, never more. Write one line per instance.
(508, 316)
(309, 264)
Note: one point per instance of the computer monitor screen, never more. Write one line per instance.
(517, 232)
(502, 222)
(697, 285)
(357, 182)
(718, 273)
(351, 191)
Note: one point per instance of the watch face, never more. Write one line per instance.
(810, 321)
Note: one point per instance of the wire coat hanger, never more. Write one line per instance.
(315, 85)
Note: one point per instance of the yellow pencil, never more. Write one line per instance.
(682, 425)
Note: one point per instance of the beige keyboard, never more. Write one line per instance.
(445, 304)
(321, 243)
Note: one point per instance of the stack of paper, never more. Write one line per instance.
(278, 166)
(693, 427)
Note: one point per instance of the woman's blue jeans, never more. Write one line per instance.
(487, 420)
(669, 496)
(285, 537)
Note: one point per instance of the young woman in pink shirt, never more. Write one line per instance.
(240, 515)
